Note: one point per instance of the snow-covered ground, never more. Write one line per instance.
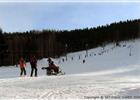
(110, 73)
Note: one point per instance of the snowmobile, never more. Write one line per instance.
(53, 70)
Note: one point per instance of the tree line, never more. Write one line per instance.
(53, 43)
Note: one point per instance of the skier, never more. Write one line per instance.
(84, 61)
(22, 65)
(33, 62)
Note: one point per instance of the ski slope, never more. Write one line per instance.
(110, 72)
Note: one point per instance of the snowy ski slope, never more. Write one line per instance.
(110, 72)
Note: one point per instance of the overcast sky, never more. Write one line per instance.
(15, 16)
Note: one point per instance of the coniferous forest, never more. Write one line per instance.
(53, 43)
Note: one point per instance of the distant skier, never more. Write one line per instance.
(84, 61)
(63, 59)
(33, 62)
(22, 65)
(71, 58)
(79, 57)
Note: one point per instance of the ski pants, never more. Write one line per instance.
(32, 70)
(22, 70)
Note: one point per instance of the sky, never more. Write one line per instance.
(69, 0)
(25, 16)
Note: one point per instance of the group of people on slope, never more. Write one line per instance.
(33, 63)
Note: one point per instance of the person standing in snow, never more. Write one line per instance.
(33, 62)
(22, 65)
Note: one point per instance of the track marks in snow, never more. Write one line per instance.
(52, 94)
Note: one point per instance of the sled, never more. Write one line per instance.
(53, 71)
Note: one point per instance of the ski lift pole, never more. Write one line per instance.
(130, 50)
(130, 54)
(86, 49)
(66, 46)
